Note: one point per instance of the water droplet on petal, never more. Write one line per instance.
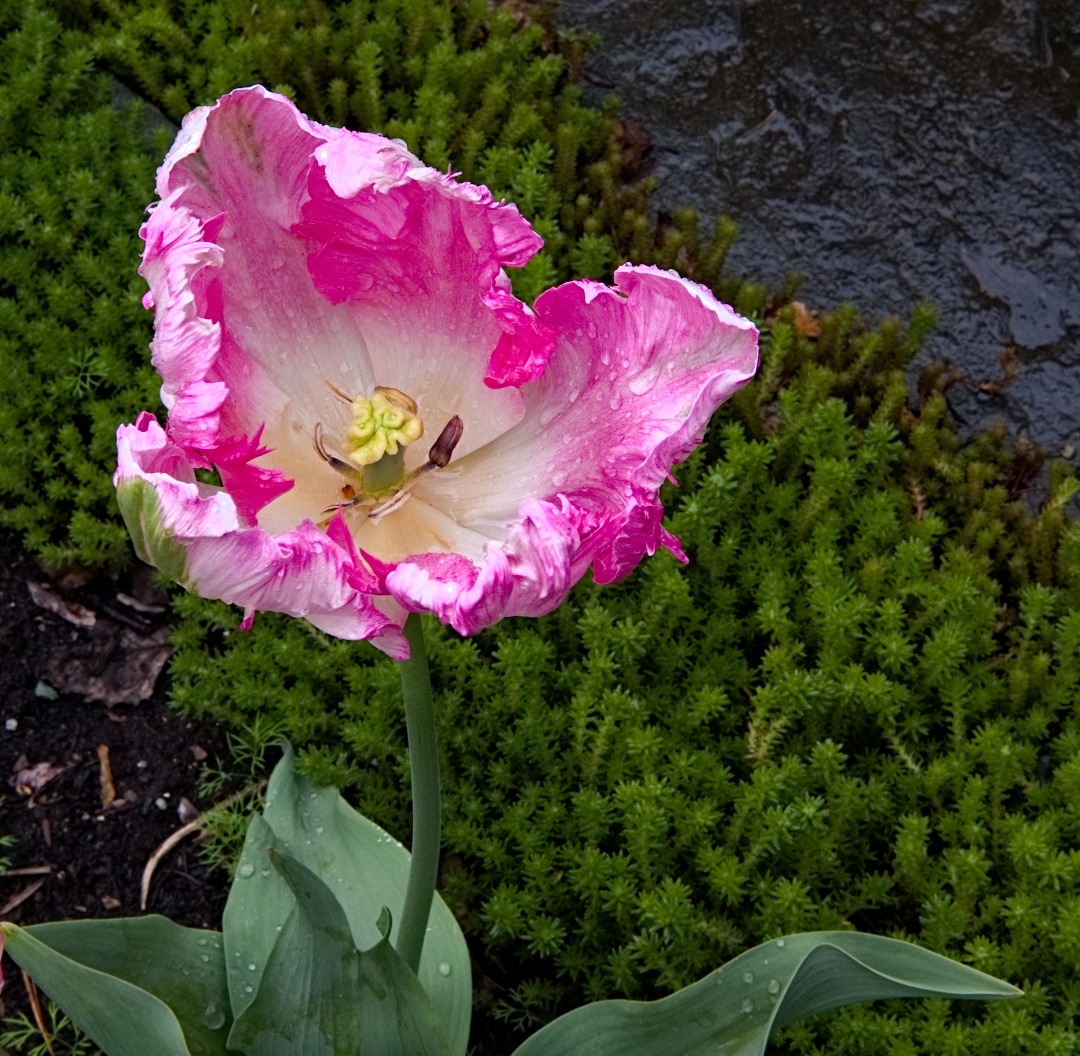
(248, 990)
(319, 830)
(774, 986)
(245, 870)
(251, 967)
(202, 942)
(748, 1006)
(779, 942)
(444, 968)
(214, 1017)
(204, 957)
(747, 977)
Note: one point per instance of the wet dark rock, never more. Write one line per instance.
(891, 153)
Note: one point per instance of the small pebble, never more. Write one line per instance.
(11, 724)
(161, 803)
(45, 691)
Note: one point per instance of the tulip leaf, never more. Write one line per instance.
(319, 996)
(734, 1009)
(120, 1018)
(366, 869)
(259, 904)
(184, 967)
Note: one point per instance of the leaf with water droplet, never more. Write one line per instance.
(366, 868)
(320, 996)
(171, 964)
(815, 972)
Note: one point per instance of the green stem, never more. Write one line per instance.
(426, 805)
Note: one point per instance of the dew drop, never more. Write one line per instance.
(319, 830)
(248, 990)
(202, 942)
(214, 1017)
(780, 942)
(251, 967)
(747, 977)
(774, 986)
(265, 872)
(245, 870)
(444, 968)
(205, 958)
(747, 1006)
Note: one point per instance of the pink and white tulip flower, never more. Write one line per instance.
(322, 299)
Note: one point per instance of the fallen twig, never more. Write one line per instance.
(21, 897)
(28, 870)
(35, 1004)
(180, 834)
(108, 789)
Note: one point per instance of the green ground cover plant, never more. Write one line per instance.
(856, 705)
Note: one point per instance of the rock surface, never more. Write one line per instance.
(896, 152)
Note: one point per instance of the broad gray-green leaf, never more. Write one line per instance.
(398, 1017)
(259, 904)
(733, 1010)
(121, 1019)
(184, 967)
(366, 869)
(308, 1000)
(319, 996)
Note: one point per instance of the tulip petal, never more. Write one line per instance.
(191, 532)
(637, 374)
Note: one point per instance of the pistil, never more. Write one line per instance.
(374, 448)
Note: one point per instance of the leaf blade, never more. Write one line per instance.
(734, 1009)
(120, 1018)
(183, 967)
(308, 999)
(319, 996)
(366, 869)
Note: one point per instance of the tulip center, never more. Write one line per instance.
(381, 426)
(374, 450)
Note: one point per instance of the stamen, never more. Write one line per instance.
(386, 508)
(336, 464)
(339, 393)
(443, 448)
(316, 440)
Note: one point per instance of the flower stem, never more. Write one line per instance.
(426, 804)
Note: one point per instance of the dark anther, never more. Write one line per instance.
(443, 448)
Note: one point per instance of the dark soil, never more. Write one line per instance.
(96, 855)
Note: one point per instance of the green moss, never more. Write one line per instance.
(74, 180)
(855, 707)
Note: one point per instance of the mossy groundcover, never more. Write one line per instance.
(856, 706)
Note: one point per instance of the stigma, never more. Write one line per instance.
(381, 425)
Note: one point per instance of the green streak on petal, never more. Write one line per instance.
(154, 544)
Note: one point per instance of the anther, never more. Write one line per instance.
(443, 448)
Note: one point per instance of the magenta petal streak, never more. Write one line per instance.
(286, 261)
